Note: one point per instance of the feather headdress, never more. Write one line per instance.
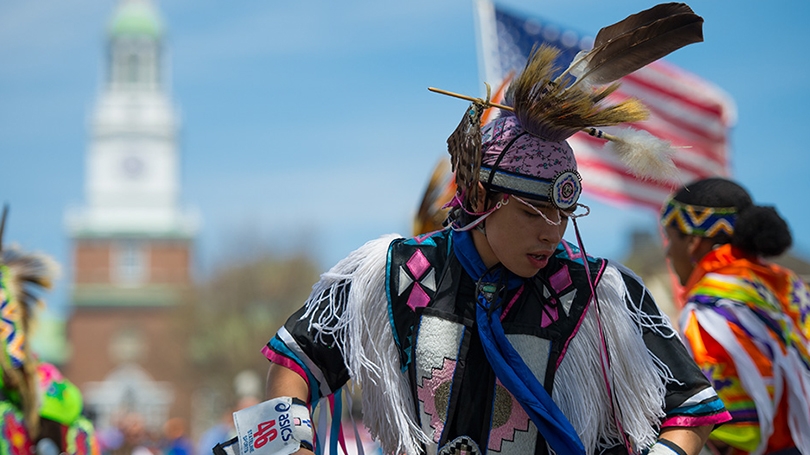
(553, 107)
(22, 278)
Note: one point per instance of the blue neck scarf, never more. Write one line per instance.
(509, 367)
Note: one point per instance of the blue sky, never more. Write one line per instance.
(309, 124)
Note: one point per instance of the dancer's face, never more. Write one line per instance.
(519, 237)
(679, 253)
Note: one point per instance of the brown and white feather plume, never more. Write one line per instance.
(553, 110)
(636, 41)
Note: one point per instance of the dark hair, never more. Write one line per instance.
(462, 218)
(759, 230)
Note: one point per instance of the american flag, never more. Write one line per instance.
(691, 113)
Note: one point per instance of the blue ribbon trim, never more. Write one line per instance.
(507, 363)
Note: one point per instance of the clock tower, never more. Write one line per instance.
(132, 242)
(132, 181)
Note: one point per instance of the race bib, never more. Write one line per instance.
(273, 427)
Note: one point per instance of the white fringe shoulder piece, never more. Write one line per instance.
(638, 377)
(359, 324)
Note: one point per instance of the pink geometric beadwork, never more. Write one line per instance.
(561, 280)
(418, 264)
(418, 297)
(426, 393)
(549, 315)
(518, 422)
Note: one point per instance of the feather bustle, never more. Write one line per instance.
(440, 189)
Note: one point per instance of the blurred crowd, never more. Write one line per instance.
(129, 435)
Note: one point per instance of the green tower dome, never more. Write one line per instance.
(136, 18)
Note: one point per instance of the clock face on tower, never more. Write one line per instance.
(133, 166)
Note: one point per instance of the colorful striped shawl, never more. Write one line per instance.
(747, 324)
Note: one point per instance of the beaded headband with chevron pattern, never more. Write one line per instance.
(699, 221)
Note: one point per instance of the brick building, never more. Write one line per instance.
(132, 243)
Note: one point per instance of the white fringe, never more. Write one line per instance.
(362, 332)
(638, 381)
